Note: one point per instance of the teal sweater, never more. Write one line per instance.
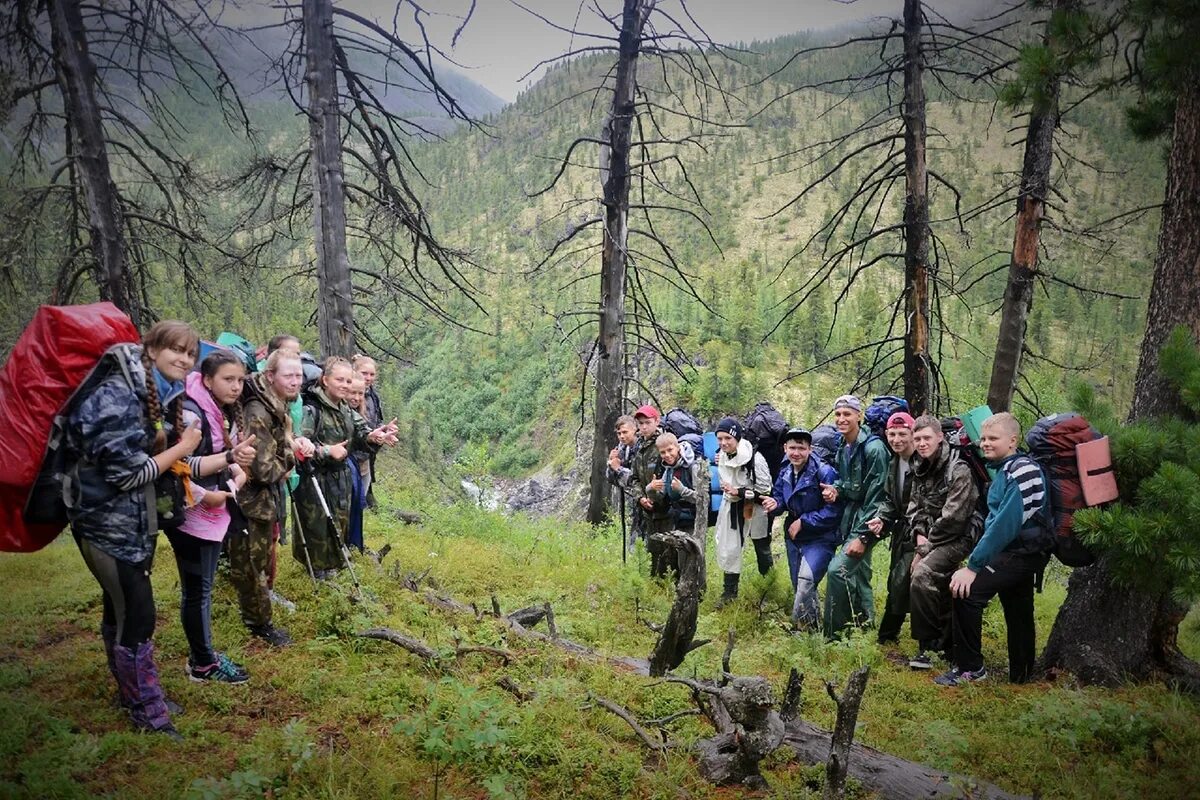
(1014, 500)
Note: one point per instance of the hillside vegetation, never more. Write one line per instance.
(337, 716)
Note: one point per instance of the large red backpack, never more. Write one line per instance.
(1055, 443)
(56, 352)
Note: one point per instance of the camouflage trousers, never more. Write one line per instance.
(252, 569)
(929, 592)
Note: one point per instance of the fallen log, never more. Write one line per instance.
(890, 777)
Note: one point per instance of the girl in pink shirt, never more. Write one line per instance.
(212, 402)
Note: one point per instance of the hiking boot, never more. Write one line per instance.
(958, 677)
(276, 637)
(921, 660)
(222, 671)
(730, 591)
(169, 731)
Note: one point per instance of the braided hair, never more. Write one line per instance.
(162, 334)
(209, 368)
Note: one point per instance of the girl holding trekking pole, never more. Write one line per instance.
(335, 429)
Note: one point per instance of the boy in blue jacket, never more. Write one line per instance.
(1012, 552)
(810, 525)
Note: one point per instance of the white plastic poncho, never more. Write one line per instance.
(732, 469)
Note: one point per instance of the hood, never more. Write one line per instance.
(167, 390)
(257, 389)
(687, 456)
(318, 394)
(745, 452)
(202, 397)
(922, 466)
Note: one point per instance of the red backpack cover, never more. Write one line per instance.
(54, 354)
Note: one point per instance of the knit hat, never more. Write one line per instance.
(900, 419)
(647, 411)
(848, 401)
(731, 426)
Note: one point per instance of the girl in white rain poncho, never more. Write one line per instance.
(745, 482)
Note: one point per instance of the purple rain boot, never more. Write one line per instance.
(137, 679)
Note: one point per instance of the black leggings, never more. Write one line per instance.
(128, 597)
(197, 562)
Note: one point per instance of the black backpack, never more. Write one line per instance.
(826, 439)
(765, 428)
(882, 408)
(686, 429)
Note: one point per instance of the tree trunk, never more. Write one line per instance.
(1023, 268)
(610, 342)
(77, 79)
(335, 310)
(918, 385)
(1175, 292)
(1106, 633)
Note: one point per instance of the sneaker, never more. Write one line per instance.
(957, 677)
(223, 671)
(921, 660)
(169, 731)
(276, 637)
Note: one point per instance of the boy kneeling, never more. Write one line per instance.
(1007, 561)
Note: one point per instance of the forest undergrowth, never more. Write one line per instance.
(338, 716)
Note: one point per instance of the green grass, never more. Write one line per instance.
(340, 717)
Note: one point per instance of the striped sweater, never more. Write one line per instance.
(1017, 494)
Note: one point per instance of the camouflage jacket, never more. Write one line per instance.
(266, 416)
(108, 480)
(944, 499)
(326, 423)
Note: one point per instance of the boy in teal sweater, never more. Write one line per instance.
(1012, 552)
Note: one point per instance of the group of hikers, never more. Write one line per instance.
(218, 452)
(213, 457)
(955, 542)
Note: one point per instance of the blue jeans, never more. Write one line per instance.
(807, 563)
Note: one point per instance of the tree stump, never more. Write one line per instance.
(732, 757)
(675, 639)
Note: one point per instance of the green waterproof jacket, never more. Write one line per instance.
(327, 423)
(862, 482)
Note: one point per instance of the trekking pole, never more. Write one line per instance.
(624, 543)
(299, 531)
(334, 531)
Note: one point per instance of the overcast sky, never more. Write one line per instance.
(502, 41)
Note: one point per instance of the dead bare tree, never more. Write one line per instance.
(101, 184)
(886, 147)
(648, 127)
(354, 180)
(1069, 45)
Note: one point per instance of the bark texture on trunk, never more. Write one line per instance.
(335, 309)
(77, 79)
(1106, 633)
(1175, 292)
(610, 342)
(1023, 268)
(918, 374)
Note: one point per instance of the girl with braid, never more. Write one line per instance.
(211, 402)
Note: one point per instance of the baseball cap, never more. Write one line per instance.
(647, 411)
(901, 419)
(848, 401)
(799, 434)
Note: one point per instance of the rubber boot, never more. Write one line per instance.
(762, 552)
(137, 680)
(730, 591)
